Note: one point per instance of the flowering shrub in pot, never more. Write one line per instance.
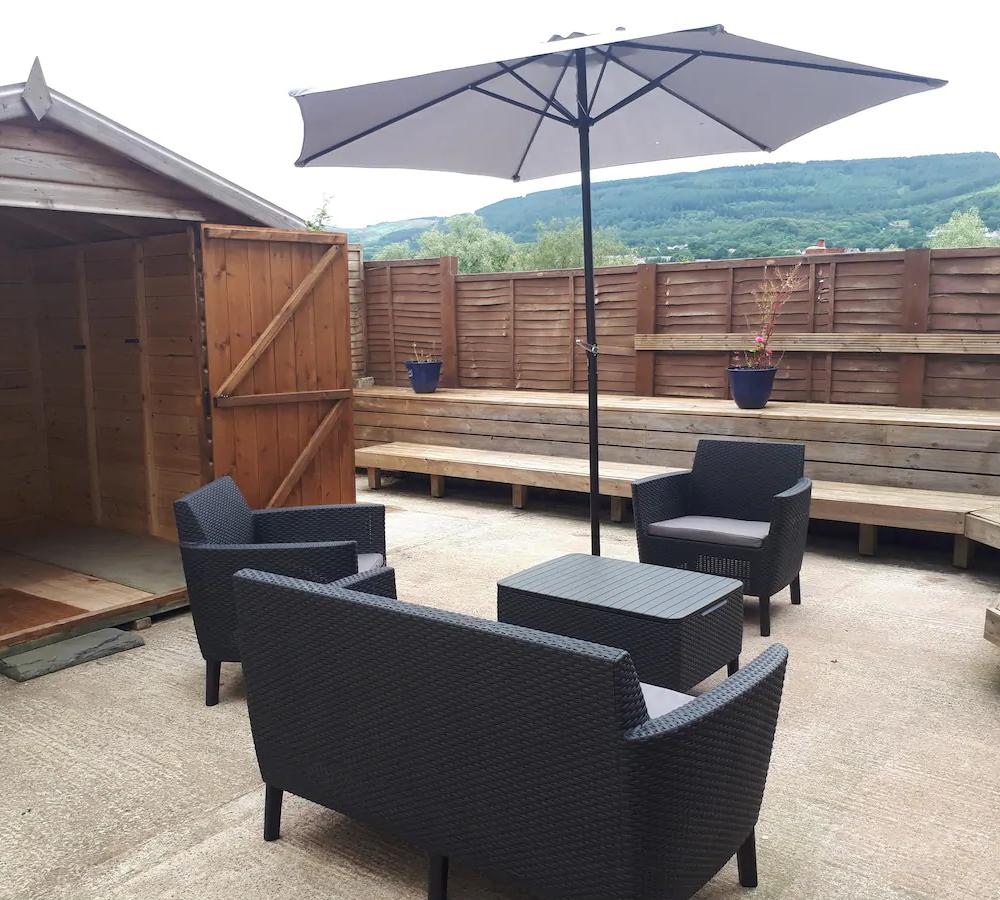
(751, 376)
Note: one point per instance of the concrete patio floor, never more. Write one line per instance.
(118, 783)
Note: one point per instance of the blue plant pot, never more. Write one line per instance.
(424, 376)
(751, 388)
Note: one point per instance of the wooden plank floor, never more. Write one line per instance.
(39, 600)
(19, 611)
(85, 592)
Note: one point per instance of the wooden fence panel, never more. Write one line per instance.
(403, 313)
(484, 325)
(518, 329)
(543, 332)
(617, 292)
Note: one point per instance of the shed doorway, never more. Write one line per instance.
(101, 424)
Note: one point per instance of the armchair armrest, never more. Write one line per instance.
(381, 582)
(701, 768)
(785, 544)
(790, 511)
(363, 523)
(659, 497)
(313, 561)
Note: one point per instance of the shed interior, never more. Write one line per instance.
(101, 418)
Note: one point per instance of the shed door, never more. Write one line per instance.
(277, 328)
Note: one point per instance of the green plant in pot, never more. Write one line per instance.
(751, 376)
(424, 370)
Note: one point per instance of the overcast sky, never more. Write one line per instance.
(210, 79)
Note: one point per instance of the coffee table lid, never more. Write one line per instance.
(629, 587)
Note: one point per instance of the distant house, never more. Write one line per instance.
(820, 247)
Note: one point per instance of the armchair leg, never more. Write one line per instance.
(733, 666)
(213, 669)
(272, 812)
(437, 881)
(796, 589)
(746, 862)
(765, 616)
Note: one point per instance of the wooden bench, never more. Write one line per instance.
(992, 630)
(983, 526)
(869, 506)
(520, 470)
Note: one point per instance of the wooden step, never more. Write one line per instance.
(955, 451)
(992, 632)
(983, 526)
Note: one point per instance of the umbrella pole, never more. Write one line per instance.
(583, 128)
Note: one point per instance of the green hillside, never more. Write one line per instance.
(759, 210)
(371, 237)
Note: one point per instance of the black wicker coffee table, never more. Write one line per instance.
(679, 626)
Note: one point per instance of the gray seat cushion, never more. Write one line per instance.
(713, 530)
(368, 561)
(661, 700)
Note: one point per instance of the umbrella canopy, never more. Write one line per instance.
(591, 101)
(688, 93)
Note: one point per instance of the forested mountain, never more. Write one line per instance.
(761, 209)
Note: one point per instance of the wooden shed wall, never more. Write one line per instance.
(55, 300)
(110, 404)
(24, 480)
(46, 167)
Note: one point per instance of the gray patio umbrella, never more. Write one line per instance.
(591, 101)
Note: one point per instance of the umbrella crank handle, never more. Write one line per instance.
(587, 348)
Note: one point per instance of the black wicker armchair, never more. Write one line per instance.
(535, 758)
(219, 534)
(742, 511)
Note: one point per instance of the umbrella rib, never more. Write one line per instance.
(540, 112)
(651, 85)
(517, 172)
(797, 64)
(597, 83)
(550, 100)
(411, 112)
(697, 108)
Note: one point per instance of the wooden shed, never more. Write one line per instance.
(159, 326)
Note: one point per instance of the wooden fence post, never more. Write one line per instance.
(645, 361)
(916, 303)
(513, 332)
(392, 321)
(731, 313)
(449, 325)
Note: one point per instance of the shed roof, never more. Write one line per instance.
(33, 102)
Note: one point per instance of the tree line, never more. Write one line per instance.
(558, 244)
